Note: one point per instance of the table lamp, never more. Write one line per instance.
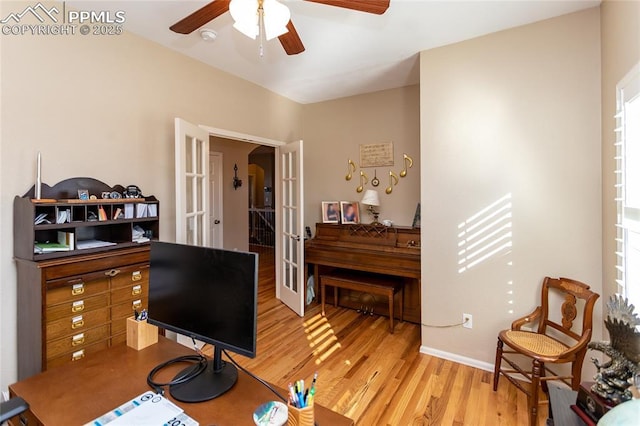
(372, 200)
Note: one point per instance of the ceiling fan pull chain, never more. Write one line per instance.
(261, 28)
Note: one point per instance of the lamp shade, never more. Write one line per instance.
(371, 198)
(246, 15)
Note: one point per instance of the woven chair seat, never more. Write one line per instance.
(534, 342)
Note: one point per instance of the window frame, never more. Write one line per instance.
(627, 144)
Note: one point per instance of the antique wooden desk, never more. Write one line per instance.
(79, 392)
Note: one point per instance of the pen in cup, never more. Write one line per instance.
(301, 397)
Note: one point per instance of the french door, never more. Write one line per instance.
(290, 288)
(193, 180)
(192, 184)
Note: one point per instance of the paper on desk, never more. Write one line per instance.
(156, 411)
(181, 419)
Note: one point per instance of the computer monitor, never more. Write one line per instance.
(210, 295)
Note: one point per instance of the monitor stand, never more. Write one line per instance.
(213, 381)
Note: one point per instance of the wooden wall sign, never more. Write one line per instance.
(376, 155)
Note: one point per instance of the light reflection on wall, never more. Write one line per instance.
(488, 235)
(485, 235)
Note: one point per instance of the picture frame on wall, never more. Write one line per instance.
(330, 212)
(350, 211)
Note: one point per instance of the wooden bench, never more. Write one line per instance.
(384, 285)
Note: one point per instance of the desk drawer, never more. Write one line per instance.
(75, 288)
(130, 293)
(118, 339)
(77, 341)
(76, 307)
(130, 275)
(78, 354)
(77, 323)
(25, 419)
(122, 311)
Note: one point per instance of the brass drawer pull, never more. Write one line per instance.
(137, 304)
(136, 276)
(77, 322)
(77, 289)
(77, 306)
(112, 273)
(78, 339)
(77, 355)
(136, 289)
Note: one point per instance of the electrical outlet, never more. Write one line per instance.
(467, 320)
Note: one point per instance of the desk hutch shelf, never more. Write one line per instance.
(74, 302)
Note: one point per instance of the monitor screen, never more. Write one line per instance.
(205, 293)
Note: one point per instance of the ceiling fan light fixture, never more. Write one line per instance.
(250, 31)
(276, 17)
(248, 13)
(245, 17)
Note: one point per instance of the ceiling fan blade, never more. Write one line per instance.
(200, 17)
(370, 6)
(291, 40)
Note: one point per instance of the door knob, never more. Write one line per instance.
(216, 221)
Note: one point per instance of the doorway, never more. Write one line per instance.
(288, 200)
(262, 214)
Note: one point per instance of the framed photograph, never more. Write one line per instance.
(330, 212)
(83, 194)
(350, 211)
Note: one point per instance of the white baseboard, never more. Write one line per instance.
(457, 358)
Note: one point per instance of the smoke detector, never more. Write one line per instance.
(208, 34)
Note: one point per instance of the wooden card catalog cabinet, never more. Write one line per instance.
(69, 309)
(75, 303)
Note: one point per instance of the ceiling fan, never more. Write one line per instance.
(290, 40)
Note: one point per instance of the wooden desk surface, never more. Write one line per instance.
(79, 392)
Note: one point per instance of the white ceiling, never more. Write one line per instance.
(347, 52)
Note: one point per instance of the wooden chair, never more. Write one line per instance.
(552, 343)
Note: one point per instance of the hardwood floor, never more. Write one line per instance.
(369, 375)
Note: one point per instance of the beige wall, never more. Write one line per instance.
(620, 22)
(333, 132)
(516, 114)
(104, 107)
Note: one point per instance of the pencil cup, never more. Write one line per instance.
(300, 416)
(140, 334)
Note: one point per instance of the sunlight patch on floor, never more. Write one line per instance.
(322, 339)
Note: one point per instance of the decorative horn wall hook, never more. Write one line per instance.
(351, 167)
(393, 180)
(363, 181)
(408, 163)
